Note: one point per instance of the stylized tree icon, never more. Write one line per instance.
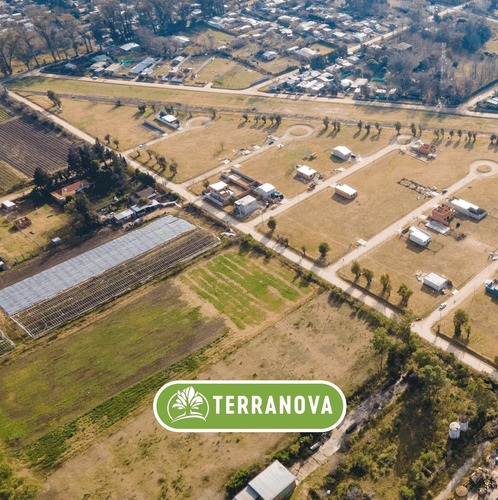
(189, 400)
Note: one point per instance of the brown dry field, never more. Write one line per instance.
(459, 261)
(294, 105)
(140, 459)
(381, 200)
(278, 166)
(98, 119)
(202, 149)
(482, 308)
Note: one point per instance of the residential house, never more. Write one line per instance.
(61, 195)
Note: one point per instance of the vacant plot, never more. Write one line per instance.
(228, 74)
(278, 166)
(242, 289)
(124, 123)
(47, 223)
(380, 202)
(293, 105)
(200, 150)
(318, 340)
(9, 178)
(26, 146)
(482, 308)
(456, 260)
(143, 333)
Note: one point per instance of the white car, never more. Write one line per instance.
(442, 306)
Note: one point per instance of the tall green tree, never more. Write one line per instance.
(381, 344)
(460, 319)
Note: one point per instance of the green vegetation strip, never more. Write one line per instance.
(4, 115)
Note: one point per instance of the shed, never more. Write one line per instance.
(55, 242)
(276, 482)
(469, 209)
(419, 237)
(341, 152)
(266, 190)
(246, 205)
(8, 206)
(124, 215)
(305, 172)
(346, 191)
(435, 281)
(129, 47)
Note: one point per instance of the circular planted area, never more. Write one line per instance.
(484, 169)
(300, 130)
(198, 121)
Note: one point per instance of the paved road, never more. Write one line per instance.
(328, 274)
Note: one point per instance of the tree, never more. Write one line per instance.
(213, 114)
(381, 344)
(56, 100)
(41, 179)
(368, 274)
(116, 143)
(326, 123)
(398, 127)
(303, 249)
(405, 293)
(433, 378)
(452, 133)
(141, 108)
(264, 119)
(460, 319)
(107, 138)
(385, 281)
(469, 135)
(323, 248)
(378, 127)
(474, 136)
(272, 224)
(413, 128)
(493, 138)
(367, 128)
(278, 120)
(359, 125)
(245, 117)
(356, 269)
(459, 133)
(482, 393)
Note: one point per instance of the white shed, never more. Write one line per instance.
(346, 191)
(246, 205)
(341, 152)
(469, 209)
(419, 237)
(305, 172)
(266, 190)
(435, 281)
(8, 206)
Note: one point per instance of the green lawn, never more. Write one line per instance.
(65, 378)
(244, 289)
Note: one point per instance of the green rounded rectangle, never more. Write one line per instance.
(249, 406)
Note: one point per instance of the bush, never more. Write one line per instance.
(239, 479)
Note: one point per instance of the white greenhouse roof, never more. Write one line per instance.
(272, 481)
(48, 283)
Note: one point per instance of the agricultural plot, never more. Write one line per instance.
(44, 316)
(25, 147)
(9, 178)
(203, 148)
(6, 345)
(3, 115)
(243, 289)
(228, 74)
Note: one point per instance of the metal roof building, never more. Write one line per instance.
(275, 483)
(48, 283)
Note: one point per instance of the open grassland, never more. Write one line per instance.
(97, 119)
(458, 261)
(278, 166)
(142, 459)
(9, 178)
(228, 74)
(293, 105)
(47, 223)
(59, 380)
(244, 289)
(203, 148)
(482, 308)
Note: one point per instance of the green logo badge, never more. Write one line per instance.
(249, 406)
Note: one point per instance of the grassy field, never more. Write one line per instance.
(456, 260)
(293, 105)
(141, 459)
(482, 308)
(243, 289)
(228, 74)
(47, 223)
(278, 166)
(123, 123)
(59, 380)
(202, 149)
(9, 177)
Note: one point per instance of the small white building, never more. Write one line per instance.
(266, 190)
(307, 173)
(346, 191)
(435, 281)
(269, 55)
(419, 237)
(245, 206)
(167, 119)
(454, 431)
(469, 209)
(8, 206)
(463, 420)
(341, 152)
(123, 216)
(219, 193)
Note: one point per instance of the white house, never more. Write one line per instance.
(341, 152)
(469, 209)
(245, 205)
(8, 206)
(419, 236)
(435, 281)
(307, 173)
(167, 119)
(219, 193)
(266, 190)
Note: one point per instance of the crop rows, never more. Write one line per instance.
(3, 115)
(43, 317)
(8, 177)
(25, 147)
